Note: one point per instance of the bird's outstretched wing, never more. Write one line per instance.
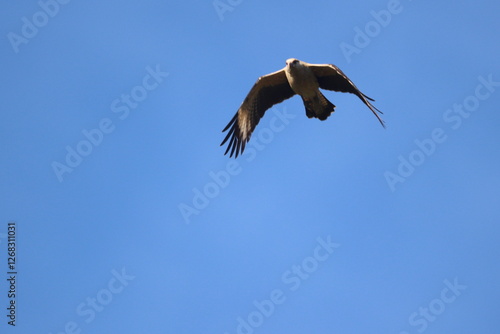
(332, 78)
(267, 91)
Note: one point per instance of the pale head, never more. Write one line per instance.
(292, 62)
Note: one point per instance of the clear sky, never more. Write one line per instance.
(130, 219)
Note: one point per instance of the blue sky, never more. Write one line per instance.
(129, 218)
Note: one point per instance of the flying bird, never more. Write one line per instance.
(297, 77)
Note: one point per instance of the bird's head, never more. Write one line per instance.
(292, 62)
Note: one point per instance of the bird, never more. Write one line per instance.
(296, 78)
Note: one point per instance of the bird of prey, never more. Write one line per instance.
(297, 77)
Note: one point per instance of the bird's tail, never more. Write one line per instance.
(318, 107)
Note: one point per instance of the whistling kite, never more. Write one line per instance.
(297, 77)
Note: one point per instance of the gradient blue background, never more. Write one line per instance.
(120, 207)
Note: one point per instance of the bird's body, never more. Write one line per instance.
(299, 78)
(304, 83)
